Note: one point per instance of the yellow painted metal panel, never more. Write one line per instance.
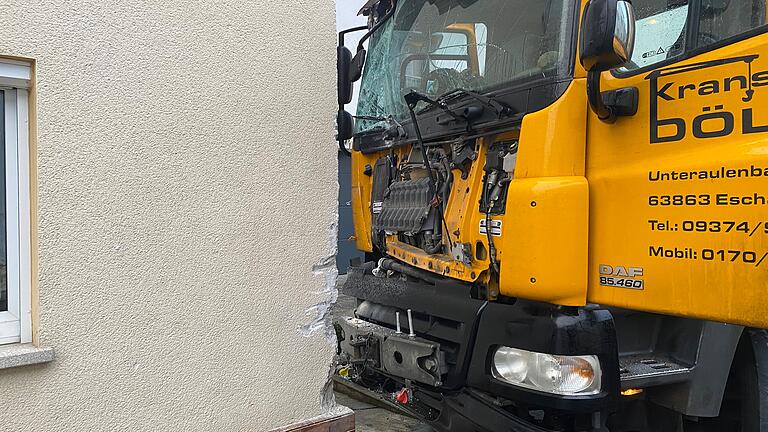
(544, 246)
(436, 263)
(679, 192)
(361, 199)
(552, 141)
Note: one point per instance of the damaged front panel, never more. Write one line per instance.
(395, 353)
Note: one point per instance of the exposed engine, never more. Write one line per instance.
(404, 203)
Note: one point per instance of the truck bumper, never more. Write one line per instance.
(472, 411)
(447, 363)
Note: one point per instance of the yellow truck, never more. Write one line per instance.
(564, 211)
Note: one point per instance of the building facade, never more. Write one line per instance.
(170, 218)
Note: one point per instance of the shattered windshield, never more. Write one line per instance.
(436, 46)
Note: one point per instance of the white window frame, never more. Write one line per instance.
(16, 323)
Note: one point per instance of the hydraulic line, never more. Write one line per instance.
(490, 183)
(491, 245)
(444, 193)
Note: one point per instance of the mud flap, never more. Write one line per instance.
(759, 338)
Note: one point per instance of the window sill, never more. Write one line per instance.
(16, 355)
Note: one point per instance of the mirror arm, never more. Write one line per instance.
(343, 33)
(381, 22)
(595, 96)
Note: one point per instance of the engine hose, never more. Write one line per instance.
(445, 192)
(395, 266)
(491, 246)
(489, 180)
(434, 245)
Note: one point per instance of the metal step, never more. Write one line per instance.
(648, 370)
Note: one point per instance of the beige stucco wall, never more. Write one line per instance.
(187, 188)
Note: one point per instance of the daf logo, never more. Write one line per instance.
(621, 271)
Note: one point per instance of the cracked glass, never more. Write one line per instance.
(437, 46)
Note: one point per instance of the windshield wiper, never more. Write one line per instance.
(500, 108)
(469, 113)
(413, 97)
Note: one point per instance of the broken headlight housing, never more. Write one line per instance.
(556, 374)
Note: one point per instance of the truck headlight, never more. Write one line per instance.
(563, 375)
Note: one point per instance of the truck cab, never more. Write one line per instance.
(563, 207)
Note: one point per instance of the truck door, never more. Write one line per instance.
(679, 191)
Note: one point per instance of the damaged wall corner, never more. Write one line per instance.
(320, 323)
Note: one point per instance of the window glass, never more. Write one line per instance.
(481, 34)
(15, 317)
(3, 218)
(436, 47)
(662, 26)
(723, 19)
(660, 32)
(10, 270)
(450, 53)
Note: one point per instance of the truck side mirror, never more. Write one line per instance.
(343, 81)
(348, 70)
(345, 126)
(607, 34)
(607, 41)
(344, 121)
(356, 66)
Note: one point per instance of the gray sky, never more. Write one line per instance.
(346, 17)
